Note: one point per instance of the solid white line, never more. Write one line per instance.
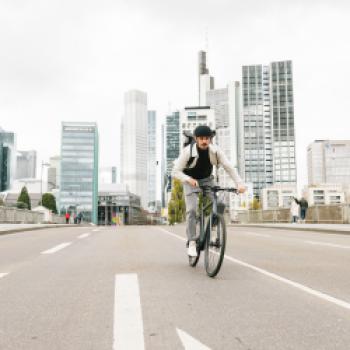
(328, 244)
(57, 248)
(3, 274)
(299, 286)
(128, 326)
(255, 234)
(84, 235)
(190, 343)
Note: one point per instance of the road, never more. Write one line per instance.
(131, 288)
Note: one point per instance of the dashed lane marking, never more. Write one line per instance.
(84, 235)
(57, 248)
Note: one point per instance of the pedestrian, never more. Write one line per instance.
(294, 210)
(304, 205)
(67, 217)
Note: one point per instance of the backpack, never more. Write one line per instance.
(190, 140)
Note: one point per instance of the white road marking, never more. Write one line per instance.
(299, 286)
(328, 244)
(190, 343)
(255, 234)
(128, 326)
(57, 248)
(84, 235)
(3, 274)
(95, 230)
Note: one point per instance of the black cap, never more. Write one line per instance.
(203, 130)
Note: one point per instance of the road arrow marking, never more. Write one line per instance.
(128, 326)
(57, 248)
(3, 274)
(189, 342)
(84, 235)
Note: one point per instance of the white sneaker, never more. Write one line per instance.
(192, 249)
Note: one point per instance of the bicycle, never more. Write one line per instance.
(212, 231)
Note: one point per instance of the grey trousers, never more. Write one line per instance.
(191, 200)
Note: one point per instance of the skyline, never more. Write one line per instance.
(76, 64)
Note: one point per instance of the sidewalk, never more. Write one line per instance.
(329, 228)
(13, 228)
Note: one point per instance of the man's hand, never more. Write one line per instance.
(241, 189)
(193, 182)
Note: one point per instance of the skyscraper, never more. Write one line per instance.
(26, 165)
(152, 158)
(268, 125)
(79, 169)
(53, 173)
(7, 159)
(134, 144)
(172, 140)
(205, 81)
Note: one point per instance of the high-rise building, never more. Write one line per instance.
(268, 144)
(79, 169)
(26, 165)
(205, 81)
(134, 144)
(7, 159)
(172, 139)
(107, 175)
(328, 162)
(152, 159)
(282, 114)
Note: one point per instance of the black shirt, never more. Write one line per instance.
(203, 167)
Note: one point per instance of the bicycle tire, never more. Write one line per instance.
(215, 246)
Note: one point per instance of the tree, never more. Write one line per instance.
(49, 202)
(255, 205)
(1, 202)
(176, 206)
(23, 201)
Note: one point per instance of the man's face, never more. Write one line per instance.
(203, 142)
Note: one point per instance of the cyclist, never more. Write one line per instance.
(194, 168)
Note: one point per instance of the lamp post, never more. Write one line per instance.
(41, 181)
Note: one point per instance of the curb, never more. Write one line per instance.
(318, 229)
(17, 230)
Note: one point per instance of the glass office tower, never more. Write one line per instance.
(79, 169)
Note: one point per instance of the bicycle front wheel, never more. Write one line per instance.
(215, 245)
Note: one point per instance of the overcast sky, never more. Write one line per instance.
(73, 60)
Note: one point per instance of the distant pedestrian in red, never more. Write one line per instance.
(67, 218)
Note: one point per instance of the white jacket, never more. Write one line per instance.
(216, 156)
(294, 208)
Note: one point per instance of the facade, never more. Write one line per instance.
(107, 175)
(7, 159)
(278, 196)
(26, 165)
(134, 144)
(205, 81)
(282, 114)
(53, 173)
(328, 161)
(191, 117)
(325, 194)
(79, 169)
(152, 160)
(117, 206)
(172, 138)
(268, 144)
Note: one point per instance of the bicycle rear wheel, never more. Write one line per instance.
(215, 245)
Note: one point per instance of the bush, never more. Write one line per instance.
(49, 202)
(24, 198)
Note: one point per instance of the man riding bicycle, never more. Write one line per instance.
(194, 168)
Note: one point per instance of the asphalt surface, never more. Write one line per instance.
(74, 288)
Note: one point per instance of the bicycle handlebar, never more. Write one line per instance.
(218, 188)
